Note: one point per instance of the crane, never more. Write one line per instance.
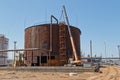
(71, 38)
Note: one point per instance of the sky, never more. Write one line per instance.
(98, 20)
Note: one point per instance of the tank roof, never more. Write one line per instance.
(49, 24)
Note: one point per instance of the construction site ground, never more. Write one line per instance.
(107, 73)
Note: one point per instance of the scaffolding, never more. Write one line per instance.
(62, 43)
(3, 45)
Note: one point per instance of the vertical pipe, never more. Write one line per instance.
(91, 49)
(51, 35)
(14, 49)
(50, 41)
(52, 17)
(119, 51)
(105, 50)
(32, 57)
(40, 59)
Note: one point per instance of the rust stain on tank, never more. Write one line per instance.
(38, 36)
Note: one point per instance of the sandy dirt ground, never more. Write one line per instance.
(108, 73)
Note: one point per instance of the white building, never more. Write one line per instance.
(3, 46)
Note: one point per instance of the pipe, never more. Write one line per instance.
(27, 49)
(91, 50)
(119, 51)
(52, 17)
(32, 59)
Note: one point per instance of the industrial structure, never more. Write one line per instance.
(3, 46)
(54, 40)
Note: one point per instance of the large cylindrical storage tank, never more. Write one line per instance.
(3, 46)
(41, 36)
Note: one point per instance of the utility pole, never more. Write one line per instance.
(105, 50)
(119, 51)
(91, 50)
(14, 49)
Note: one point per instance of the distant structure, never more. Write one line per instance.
(3, 46)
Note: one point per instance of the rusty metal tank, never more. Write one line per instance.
(38, 36)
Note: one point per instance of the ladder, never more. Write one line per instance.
(62, 43)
